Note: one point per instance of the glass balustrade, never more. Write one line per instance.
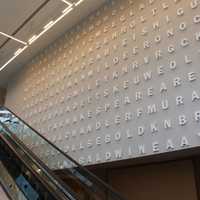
(54, 158)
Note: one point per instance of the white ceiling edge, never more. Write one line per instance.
(77, 15)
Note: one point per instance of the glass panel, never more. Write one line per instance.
(12, 147)
(54, 158)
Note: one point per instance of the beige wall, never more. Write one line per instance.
(173, 180)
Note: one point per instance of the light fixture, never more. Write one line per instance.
(17, 53)
(48, 26)
(67, 10)
(67, 2)
(31, 40)
(79, 2)
(13, 38)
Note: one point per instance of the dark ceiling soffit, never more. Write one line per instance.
(26, 21)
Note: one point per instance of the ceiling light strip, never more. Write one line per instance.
(79, 2)
(13, 38)
(49, 26)
(67, 2)
(17, 53)
(32, 39)
(35, 37)
(67, 10)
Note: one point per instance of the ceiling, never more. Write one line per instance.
(12, 14)
(23, 19)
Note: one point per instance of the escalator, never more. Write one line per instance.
(27, 170)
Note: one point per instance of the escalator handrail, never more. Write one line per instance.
(29, 152)
(36, 163)
(25, 164)
(41, 163)
(44, 166)
(98, 180)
